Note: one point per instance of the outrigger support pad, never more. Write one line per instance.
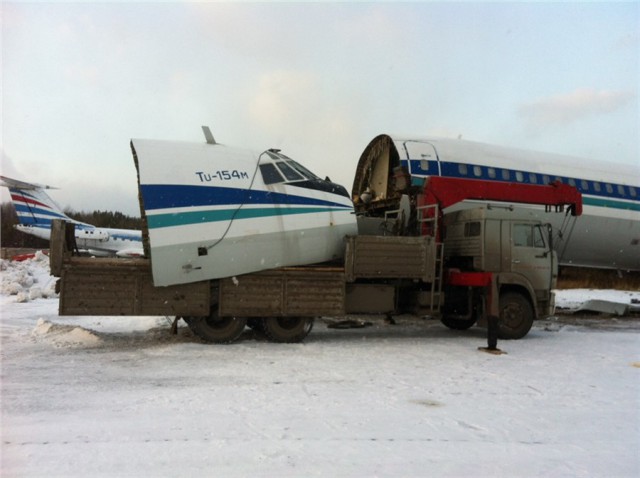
(492, 336)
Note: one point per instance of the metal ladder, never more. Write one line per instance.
(436, 284)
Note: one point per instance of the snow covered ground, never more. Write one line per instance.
(103, 396)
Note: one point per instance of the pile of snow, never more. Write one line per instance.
(573, 299)
(64, 335)
(29, 279)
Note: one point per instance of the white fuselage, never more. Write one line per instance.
(214, 211)
(607, 235)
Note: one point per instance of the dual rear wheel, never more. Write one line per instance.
(225, 330)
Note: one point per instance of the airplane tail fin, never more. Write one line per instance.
(33, 205)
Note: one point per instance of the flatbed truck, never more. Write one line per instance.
(463, 267)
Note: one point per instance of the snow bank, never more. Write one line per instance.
(64, 335)
(29, 279)
(572, 299)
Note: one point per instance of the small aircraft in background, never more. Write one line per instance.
(35, 211)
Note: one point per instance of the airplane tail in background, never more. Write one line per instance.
(34, 207)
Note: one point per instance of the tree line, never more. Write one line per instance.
(11, 237)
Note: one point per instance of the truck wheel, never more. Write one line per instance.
(516, 316)
(219, 330)
(287, 329)
(458, 324)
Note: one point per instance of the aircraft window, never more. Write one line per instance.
(506, 175)
(288, 172)
(546, 179)
(596, 186)
(462, 169)
(585, 185)
(519, 176)
(621, 190)
(533, 178)
(302, 170)
(609, 188)
(632, 191)
(270, 174)
(477, 171)
(272, 155)
(558, 178)
(572, 182)
(491, 172)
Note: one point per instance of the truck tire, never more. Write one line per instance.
(516, 316)
(287, 329)
(458, 324)
(218, 330)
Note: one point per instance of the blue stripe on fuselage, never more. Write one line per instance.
(602, 198)
(169, 196)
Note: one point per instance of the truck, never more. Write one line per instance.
(466, 266)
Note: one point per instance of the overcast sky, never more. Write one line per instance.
(318, 80)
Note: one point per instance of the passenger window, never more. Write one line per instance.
(491, 172)
(585, 185)
(596, 186)
(477, 171)
(505, 175)
(533, 178)
(632, 191)
(621, 190)
(572, 182)
(519, 176)
(289, 172)
(522, 235)
(609, 188)
(462, 169)
(270, 174)
(538, 237)
(546, 179)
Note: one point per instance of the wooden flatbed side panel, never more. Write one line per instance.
(283, 293)
(390, 257)
(127, 291)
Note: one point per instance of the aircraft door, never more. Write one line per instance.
(423, 158)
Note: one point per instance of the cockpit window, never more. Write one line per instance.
(288, 171)
(283, 169)
(270, 174)
(302, 170)
(272, 155)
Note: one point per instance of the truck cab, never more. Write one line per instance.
(512, 244)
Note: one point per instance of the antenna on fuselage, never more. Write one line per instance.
(208, 136)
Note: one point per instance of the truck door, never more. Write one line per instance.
(530, 255)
